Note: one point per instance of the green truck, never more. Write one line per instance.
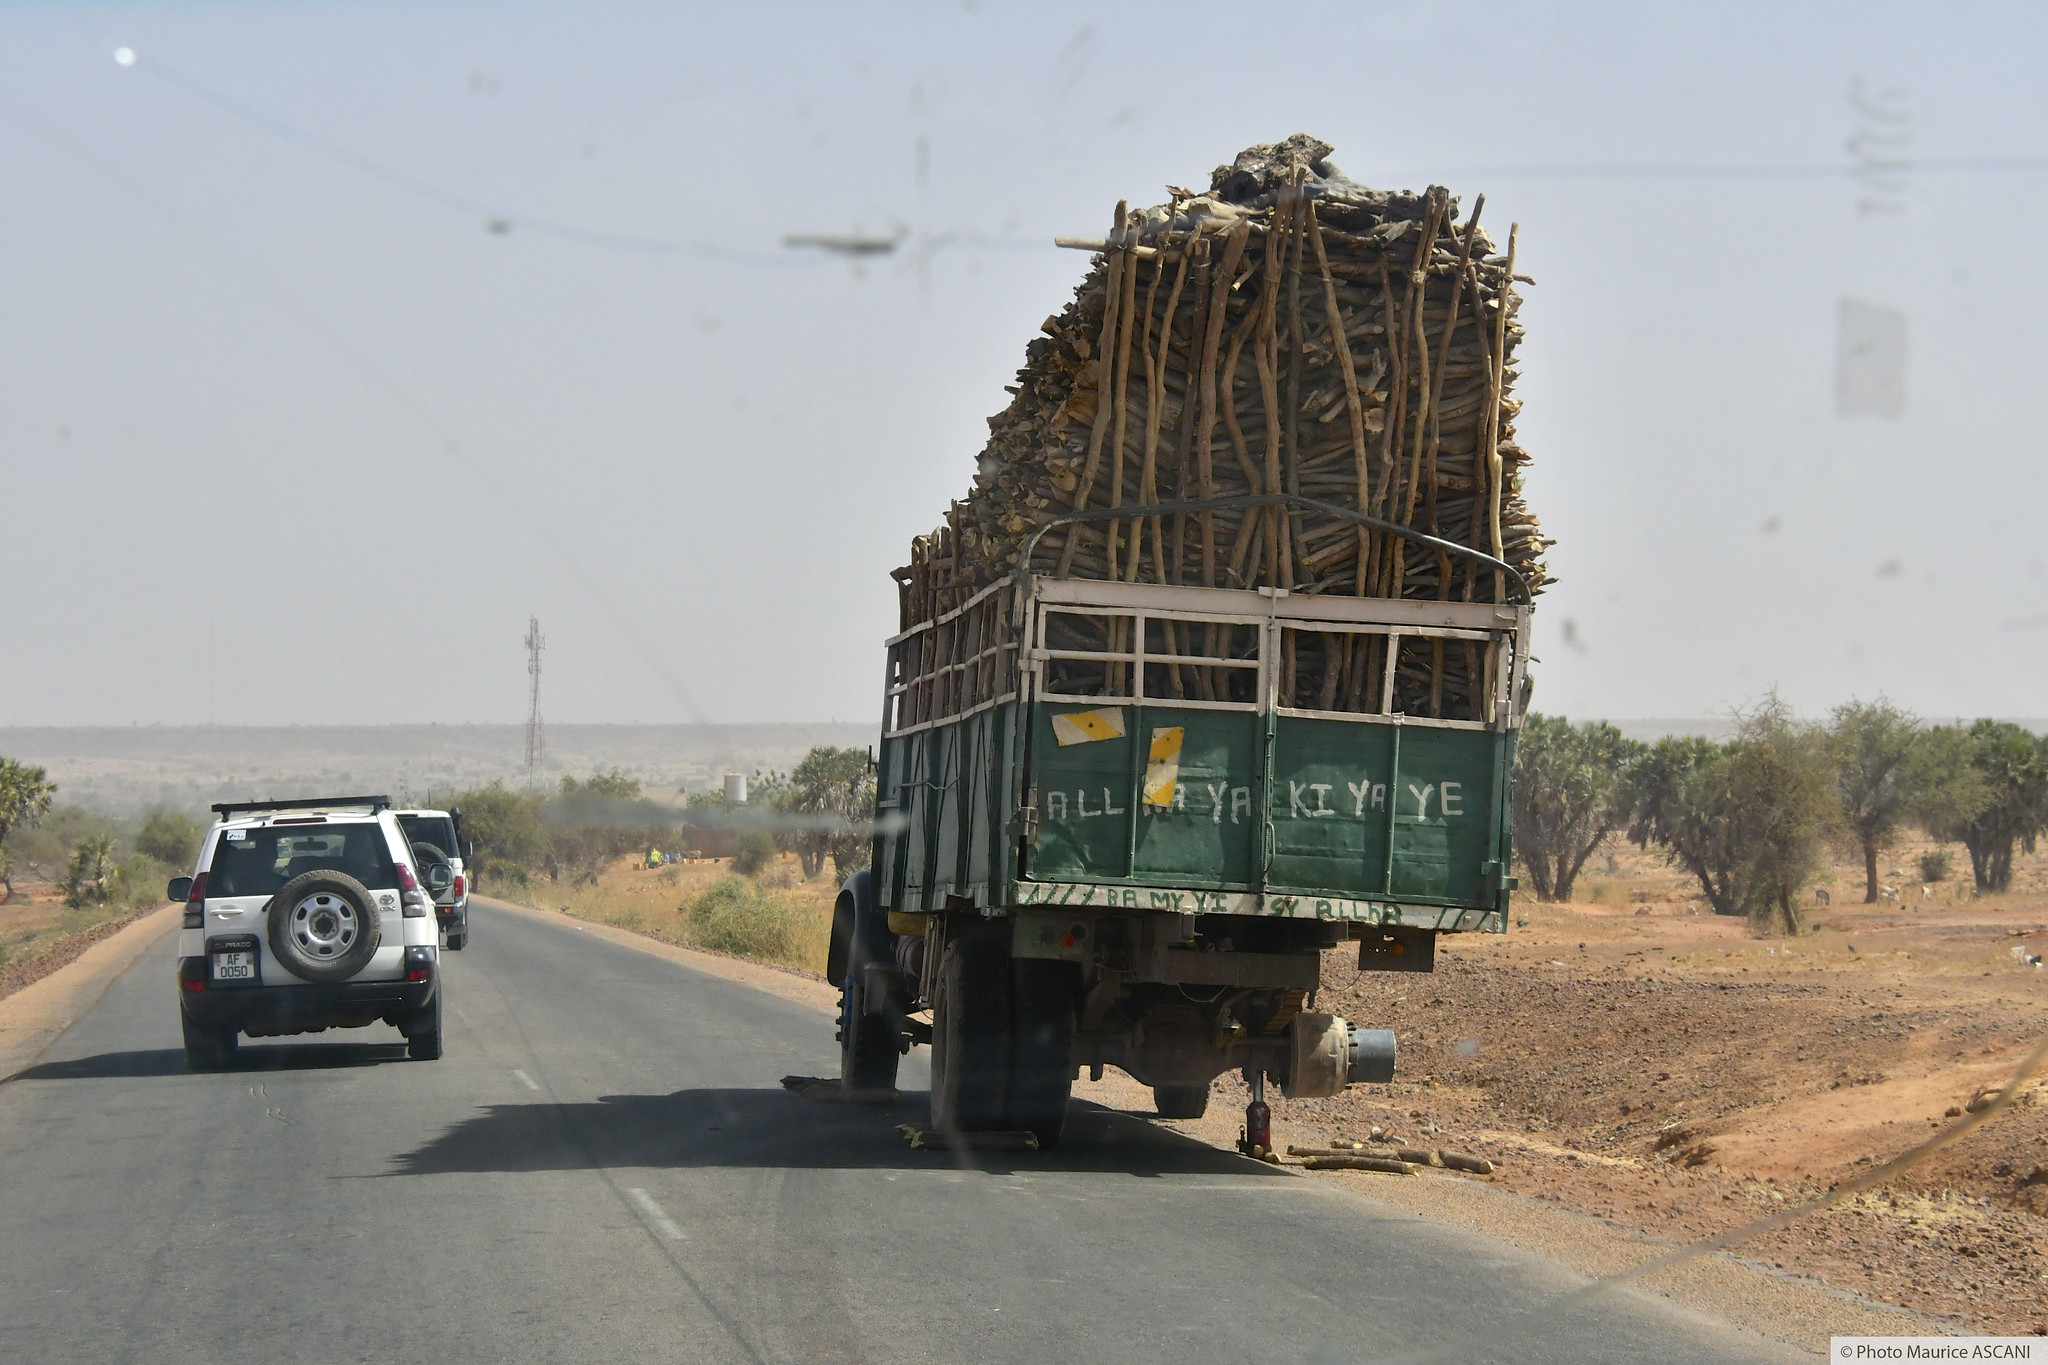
(1111, 831)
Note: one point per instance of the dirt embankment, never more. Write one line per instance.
(1650, 1064)
(39, 935)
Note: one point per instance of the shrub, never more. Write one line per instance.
(1937, 866)
(507, 830)
(733, 917)
(169, 836)
(752, 850)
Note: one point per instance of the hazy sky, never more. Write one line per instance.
(288, 432)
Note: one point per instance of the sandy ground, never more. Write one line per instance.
(1660, 1068)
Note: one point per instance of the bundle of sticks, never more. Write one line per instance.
(1288, 331)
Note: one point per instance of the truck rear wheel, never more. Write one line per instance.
(1041, 1079)
(870, 1045)
(1180, 1101)
(971, 1036)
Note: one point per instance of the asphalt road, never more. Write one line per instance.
(605, 1168)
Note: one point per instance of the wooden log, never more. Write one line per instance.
(1297, 205)
(1354, 408)
(1265, 355)
(1444, 348)
(1184, 450)
(1151, 415)
(1385, 1164)
(1155, 385)
(1126, 306)
(1463, 1161)
(1219, 307)
(1100, 429)
(1495, 492)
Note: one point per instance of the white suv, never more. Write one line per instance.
(307, 915)
(436, 837)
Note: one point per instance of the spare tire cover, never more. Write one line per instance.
(323, 926)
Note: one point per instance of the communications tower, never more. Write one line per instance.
(536, 745)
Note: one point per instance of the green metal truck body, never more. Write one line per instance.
(998, 790)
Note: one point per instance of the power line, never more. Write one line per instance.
(1817, 170)
(494, 214)
(499, 218)
(441, 434)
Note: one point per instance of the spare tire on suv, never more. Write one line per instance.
(323, 926)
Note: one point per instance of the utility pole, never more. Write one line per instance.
(536, 746)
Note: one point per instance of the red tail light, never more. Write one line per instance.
(459, 884)
(405, 879)
(198, 891)
(195, 903)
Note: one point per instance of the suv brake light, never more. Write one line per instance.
(460, 882)
(195, 903)
(412, 901)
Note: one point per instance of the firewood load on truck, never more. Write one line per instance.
(1219, 666)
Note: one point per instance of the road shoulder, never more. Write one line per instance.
(790, 985)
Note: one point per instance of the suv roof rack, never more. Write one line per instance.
(375, 803)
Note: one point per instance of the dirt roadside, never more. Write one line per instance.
(34, 1016)
(1641, 1062)
(1786, 1307)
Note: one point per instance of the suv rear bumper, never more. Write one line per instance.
(272, 1011)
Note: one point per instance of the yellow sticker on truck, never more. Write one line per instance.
(1162, 766)
(1085, 727)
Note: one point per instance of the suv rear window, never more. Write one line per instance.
(258, 862)
(437, 830)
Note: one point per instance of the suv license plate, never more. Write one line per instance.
(234, 966)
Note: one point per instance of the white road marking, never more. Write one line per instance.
(656, 1216)
(524, 1079)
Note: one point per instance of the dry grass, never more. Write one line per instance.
(774, 917)
(36, 920)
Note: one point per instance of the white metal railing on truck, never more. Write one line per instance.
(972, 658)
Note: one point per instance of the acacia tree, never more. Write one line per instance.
(1570, 793)
(1873, 744)
(1783, 778)
(1677, 801)
(832, 793)
(1749, 819)
(2012, 767)
(25, 794)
